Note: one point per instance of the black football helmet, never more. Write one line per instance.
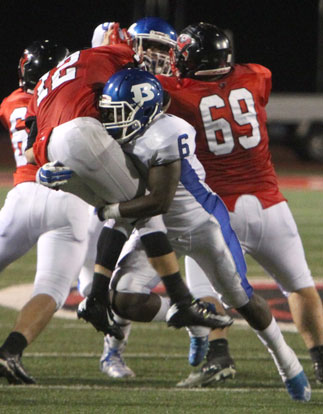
(203, 49)
(37, 59)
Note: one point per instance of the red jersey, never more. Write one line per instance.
(13, 111)
(232, 141)
(71, 90)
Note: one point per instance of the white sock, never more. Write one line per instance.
(161, 314)
(126, 328)
(284, 357)
(198, 331)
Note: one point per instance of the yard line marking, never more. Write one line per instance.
(124, 385)
(143, 355)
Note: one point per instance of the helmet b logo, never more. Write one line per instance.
(142, 92)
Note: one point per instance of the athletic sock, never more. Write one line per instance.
(15, 343)
(100, 288)
(284, 357)
(218, 348)
(176, 288)
(164, 306)
(316, 353)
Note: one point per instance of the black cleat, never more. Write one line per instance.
(195, 313)
(317, 358)
(11, 368)
(215, 370)
(100, 316)
(318, 371)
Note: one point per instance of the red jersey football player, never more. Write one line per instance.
(35, 214)
(226, 103)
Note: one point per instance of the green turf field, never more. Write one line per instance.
(64, 359)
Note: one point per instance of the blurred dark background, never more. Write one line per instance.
(283, 35)
(280, 34)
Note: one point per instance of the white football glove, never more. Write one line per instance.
(53, 174)
(109, 211)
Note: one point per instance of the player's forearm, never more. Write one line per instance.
(141, 207)
(145, 206)
(162, 183)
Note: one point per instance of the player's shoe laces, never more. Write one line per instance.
(217, 369)
(298, 387)
(198, 349)
(11, 368)
(112, 363)
(195, 313)
(100, 316)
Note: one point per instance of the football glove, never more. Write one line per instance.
(53, 174)
(109, 211)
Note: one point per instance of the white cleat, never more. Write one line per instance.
(113, 365)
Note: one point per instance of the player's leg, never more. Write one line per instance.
(16, 235)
(86, 275)
(218, 262)
(97, 160)
(112, 362)
(218, 364)
(52, 282)
(277, 246)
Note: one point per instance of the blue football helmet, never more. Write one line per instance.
(130, 101)
(153, 39)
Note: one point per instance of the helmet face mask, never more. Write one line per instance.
(203, 50)
(130, 101)
(153, 39)
(36, 60)
(118, 119)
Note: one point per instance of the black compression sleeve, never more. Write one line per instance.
(109, 247)
(156, 244)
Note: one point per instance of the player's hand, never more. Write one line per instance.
(53, 174)
(114, 35)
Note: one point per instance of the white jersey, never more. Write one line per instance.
(168, 139)
(197, 221)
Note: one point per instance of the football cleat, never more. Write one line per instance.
(11, 368)
(317, 358)
(215, 370)
(100, 316)
(318, 371)
(113, 365)
(298, 387)
(198, 349)
(195, 313)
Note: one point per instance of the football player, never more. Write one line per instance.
(68, 130)
(155, 42)
(197, 222)
(154, 39)
(226, 102)
(55, 220)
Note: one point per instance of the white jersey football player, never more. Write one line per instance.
(198, 226)
(55, 220)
